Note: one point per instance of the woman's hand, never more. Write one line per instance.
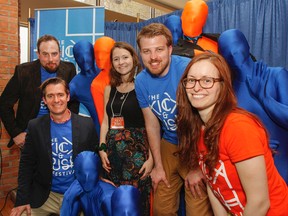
(195, 181)
(146, 168)
(107, 181)
(105, 161)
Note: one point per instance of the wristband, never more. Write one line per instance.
(102, 147)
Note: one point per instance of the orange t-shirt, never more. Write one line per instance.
(242, 138)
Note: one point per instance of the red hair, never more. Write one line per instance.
(189, 122)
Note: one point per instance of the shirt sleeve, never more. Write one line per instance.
(244, 138)
(141, 91)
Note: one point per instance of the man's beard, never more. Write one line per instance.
(51, 70)
(159, 72)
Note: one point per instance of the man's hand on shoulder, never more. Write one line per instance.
(17, 211)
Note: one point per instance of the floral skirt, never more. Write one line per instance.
(127, 151)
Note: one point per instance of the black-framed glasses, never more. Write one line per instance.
(204, 82)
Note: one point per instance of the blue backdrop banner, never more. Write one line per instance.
(68, 25)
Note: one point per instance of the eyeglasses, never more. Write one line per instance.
(204, 82)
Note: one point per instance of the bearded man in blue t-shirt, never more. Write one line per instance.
(156, 92)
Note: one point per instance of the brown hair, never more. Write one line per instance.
(115, 77)
(54, 81)
(153, 30)
(189, 123)
(46, 38)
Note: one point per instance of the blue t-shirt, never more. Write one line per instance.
(159, 93)
(44, 75)
(62, 156)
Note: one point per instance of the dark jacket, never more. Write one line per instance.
(35, 168)
(24, 88)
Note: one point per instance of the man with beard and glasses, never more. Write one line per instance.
(24, 85)
(156, 92)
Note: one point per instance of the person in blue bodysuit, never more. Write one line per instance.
(80, 85)
(173, 23)
(93, 196)
(87, 192)
(261, 90)
(131, 206)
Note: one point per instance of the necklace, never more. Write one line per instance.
(123, 101)
(123, 96)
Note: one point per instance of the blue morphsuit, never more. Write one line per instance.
(95, 197)
(87, 193)
(261, 90)
(173, 23)
(80, 85)
(126, 201)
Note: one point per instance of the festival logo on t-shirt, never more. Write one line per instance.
(222, 188)
(62, 157)
(164, 107)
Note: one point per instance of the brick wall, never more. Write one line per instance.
(9, 57)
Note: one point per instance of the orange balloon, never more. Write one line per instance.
(102, 50)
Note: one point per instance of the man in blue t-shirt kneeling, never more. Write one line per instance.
(46, 167)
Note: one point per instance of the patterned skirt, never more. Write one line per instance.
(127, 151)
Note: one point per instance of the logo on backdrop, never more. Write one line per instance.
(68, 25)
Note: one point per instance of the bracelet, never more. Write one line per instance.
(102, 147)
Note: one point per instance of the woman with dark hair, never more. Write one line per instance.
(124, 148)
(228, 143)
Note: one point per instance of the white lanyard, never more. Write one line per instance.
(127, 94)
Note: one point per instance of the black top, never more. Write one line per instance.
(131, 110)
